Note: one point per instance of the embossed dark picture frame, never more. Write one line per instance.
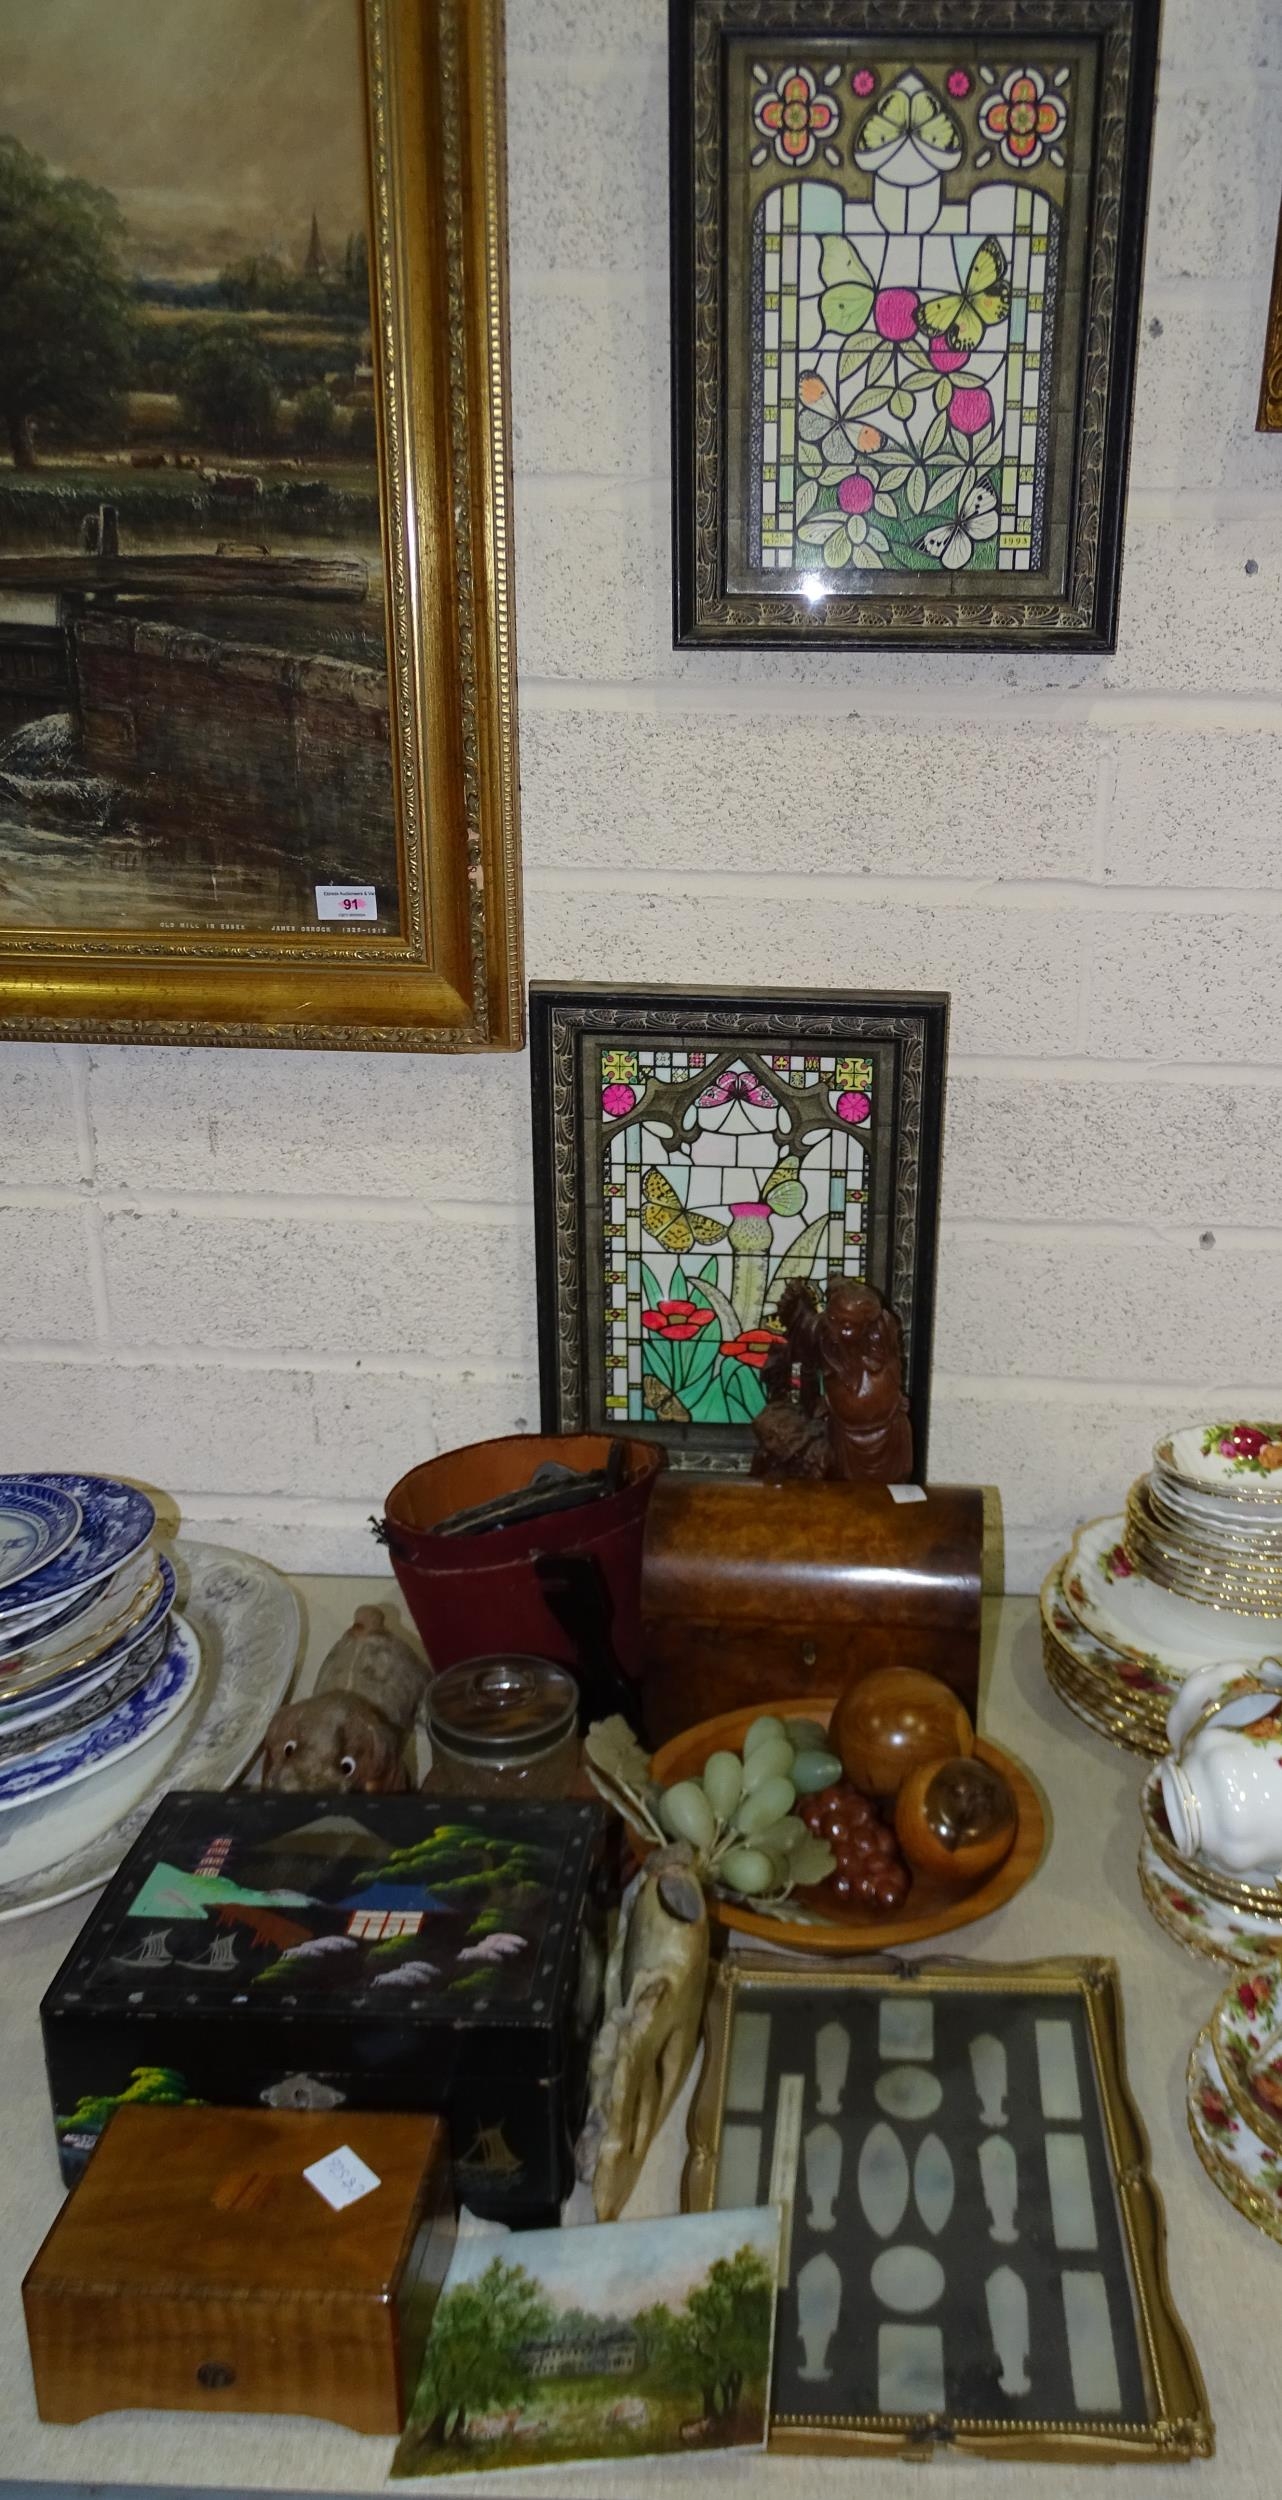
(718, 49)
(907, 1035)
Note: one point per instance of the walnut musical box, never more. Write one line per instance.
(348, 1953)
(244, 2261)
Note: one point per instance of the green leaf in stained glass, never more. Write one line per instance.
(745, 1396)
(710, 1407)
(650, 1287)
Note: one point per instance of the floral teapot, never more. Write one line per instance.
(1222, 1780)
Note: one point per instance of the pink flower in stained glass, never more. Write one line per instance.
(793, 115)
(864, 81)
(944, 358)
(853, 1107)
(970, 411)
(616, 1100)
(855, 494)
(959, 82)
(895, 312)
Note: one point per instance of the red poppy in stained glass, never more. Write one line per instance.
(677, 1319)
(752, 1345)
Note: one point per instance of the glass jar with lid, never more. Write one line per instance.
(503, 1726)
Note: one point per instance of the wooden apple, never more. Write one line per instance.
(955, 1820)
(888, 1722)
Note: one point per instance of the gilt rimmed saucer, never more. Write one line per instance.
(1194, 1919)
(38, 1519)
(123, 1609)
(1247, 2171)
(115, 1734)
(116, 1519)
(1241, 1895)
(26, 1704)
(1149, 1624)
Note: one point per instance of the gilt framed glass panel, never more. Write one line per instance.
(693, 1153)
(906, 258)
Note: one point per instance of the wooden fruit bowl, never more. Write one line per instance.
(930, 1908)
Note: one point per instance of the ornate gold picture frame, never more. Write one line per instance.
(258, 777)
(969, 2217)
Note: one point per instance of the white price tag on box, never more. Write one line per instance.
(342, 2178)
(907, 1492)
(347, 902)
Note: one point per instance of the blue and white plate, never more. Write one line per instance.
(114, 1735)
(115, 1520)
(20, 1630)
(19, 1739)
(38, 1519)
(30, 1693)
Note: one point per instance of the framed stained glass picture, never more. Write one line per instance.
(693, 1154)
(906, 264)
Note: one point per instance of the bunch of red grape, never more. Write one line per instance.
(870, 1873)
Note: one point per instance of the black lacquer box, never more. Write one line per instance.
(377, 1953)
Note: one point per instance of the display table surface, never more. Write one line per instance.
(1226, 2277)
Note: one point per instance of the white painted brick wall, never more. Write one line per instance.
(271, 1281)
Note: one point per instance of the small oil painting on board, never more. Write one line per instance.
(194, 727)
(627, 2339)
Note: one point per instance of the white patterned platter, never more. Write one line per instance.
(111, 1735)
(1204, 1925)
(38, 1518)
(1150, 1624)
(249, 1624)
(116, 1519)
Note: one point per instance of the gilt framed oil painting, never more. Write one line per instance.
(906, 250)
(695, 1153)
(257, 732)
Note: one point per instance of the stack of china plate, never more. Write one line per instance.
(94, 1661)
(1190, 1573)
(1234, 2097)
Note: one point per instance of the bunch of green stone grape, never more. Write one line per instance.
(738, 1815)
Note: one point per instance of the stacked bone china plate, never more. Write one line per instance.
(1189, 1573)
(94, 1660)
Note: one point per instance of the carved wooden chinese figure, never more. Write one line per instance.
(850, 1416)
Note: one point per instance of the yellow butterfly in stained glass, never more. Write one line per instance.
(664, 1216)
(961, 319)
(785, 1191)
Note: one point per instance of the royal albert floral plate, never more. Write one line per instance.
(1138, 1682)
(1193, 1917)
(71, 1758)
(1245, 2169)
(116, 1519)
(1238, 1458)
(38, 1519)
(249, 1624)
(1151, 1624)
(1246, 2032)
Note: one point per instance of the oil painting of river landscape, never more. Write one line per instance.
(208, 582)
(187, 410)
